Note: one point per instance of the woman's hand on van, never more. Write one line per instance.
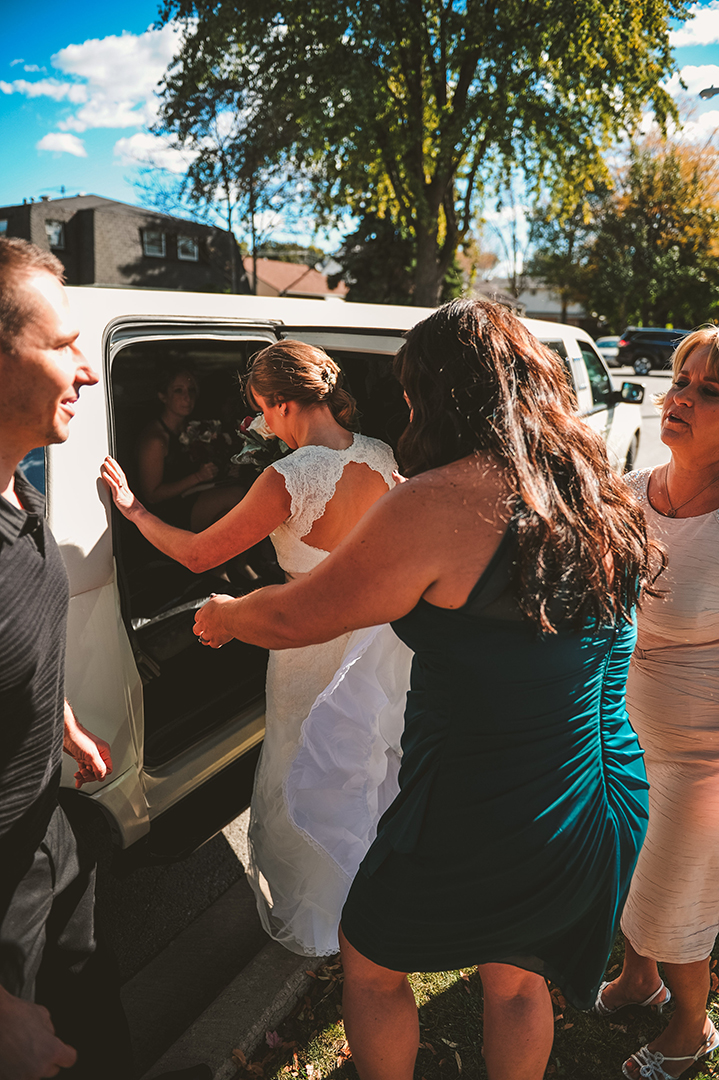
(209, 628)
(116, 481)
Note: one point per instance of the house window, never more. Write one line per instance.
(153, 243)
(3, 226)
(55, 231)
(187, 248)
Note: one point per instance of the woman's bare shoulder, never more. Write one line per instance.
(153, 433)
(476, 477)
(465, 499)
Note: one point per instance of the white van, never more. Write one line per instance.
(185, 723)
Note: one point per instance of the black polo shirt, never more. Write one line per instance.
(33, 616)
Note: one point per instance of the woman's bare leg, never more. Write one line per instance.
(518, 1022)
(689, 1025)
(639, 979)
(380, 1018)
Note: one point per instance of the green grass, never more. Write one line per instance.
(312, 1045)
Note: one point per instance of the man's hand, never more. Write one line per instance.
(29, 1048)
(91, 753)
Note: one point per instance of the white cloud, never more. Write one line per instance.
(701, 128)
(703, 29)
(111, 82)
(52, 88)
(145, 149)
(696, 77)
(63, 144)
(33, 68)
(14, 62)
(120, 76)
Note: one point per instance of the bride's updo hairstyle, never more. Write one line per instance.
(479, 383)
(294, 371)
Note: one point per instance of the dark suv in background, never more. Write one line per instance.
(647, 347)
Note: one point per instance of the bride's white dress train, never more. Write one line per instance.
(334, 717)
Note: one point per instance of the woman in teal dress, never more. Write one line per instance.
(511, 563)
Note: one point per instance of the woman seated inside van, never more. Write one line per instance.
(168, 466)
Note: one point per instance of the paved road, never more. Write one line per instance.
(652, 450)
(206, 899)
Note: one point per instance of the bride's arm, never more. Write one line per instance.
(264, 507)
(378, 573)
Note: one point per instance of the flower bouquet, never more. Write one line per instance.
(205, 441)
(261, 445)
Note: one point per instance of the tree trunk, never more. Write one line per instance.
(428, 274)
(253, 235)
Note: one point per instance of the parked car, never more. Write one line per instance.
(607, 347)
(647, 347)
(185, 723)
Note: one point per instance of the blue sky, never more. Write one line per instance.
(76, 93)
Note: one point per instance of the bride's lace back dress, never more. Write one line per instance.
(672, 913)
(300, 889)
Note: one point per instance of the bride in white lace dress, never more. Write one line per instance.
(330, 759)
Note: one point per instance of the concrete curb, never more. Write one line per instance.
(255, 1002)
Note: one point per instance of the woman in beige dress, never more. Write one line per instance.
(672, 913)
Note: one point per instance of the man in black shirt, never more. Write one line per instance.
(46, 892)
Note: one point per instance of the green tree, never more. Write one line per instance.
(559, 246)
(236, 144)
(293, 253)
(377, 263)
(654, 256)
(405, 108)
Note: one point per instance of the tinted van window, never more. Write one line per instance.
(598, 378)
(33, 465)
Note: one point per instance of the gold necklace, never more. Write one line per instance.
(672, 511)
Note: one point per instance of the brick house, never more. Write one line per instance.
(277, 278)
(104, 242)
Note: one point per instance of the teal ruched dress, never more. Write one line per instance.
(523, 796)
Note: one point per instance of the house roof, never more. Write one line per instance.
(293, 279)
(95, 202)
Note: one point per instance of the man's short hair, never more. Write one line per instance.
(18, 260)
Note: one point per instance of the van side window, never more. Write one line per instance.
(598, 378)
(33, 466)
(557, 347)
(560, 349)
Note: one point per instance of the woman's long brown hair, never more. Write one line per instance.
(478, 381)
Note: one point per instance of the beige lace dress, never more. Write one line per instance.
(672, 912)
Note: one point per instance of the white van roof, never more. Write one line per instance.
(117, 303)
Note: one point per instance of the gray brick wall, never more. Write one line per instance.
(103, 245)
